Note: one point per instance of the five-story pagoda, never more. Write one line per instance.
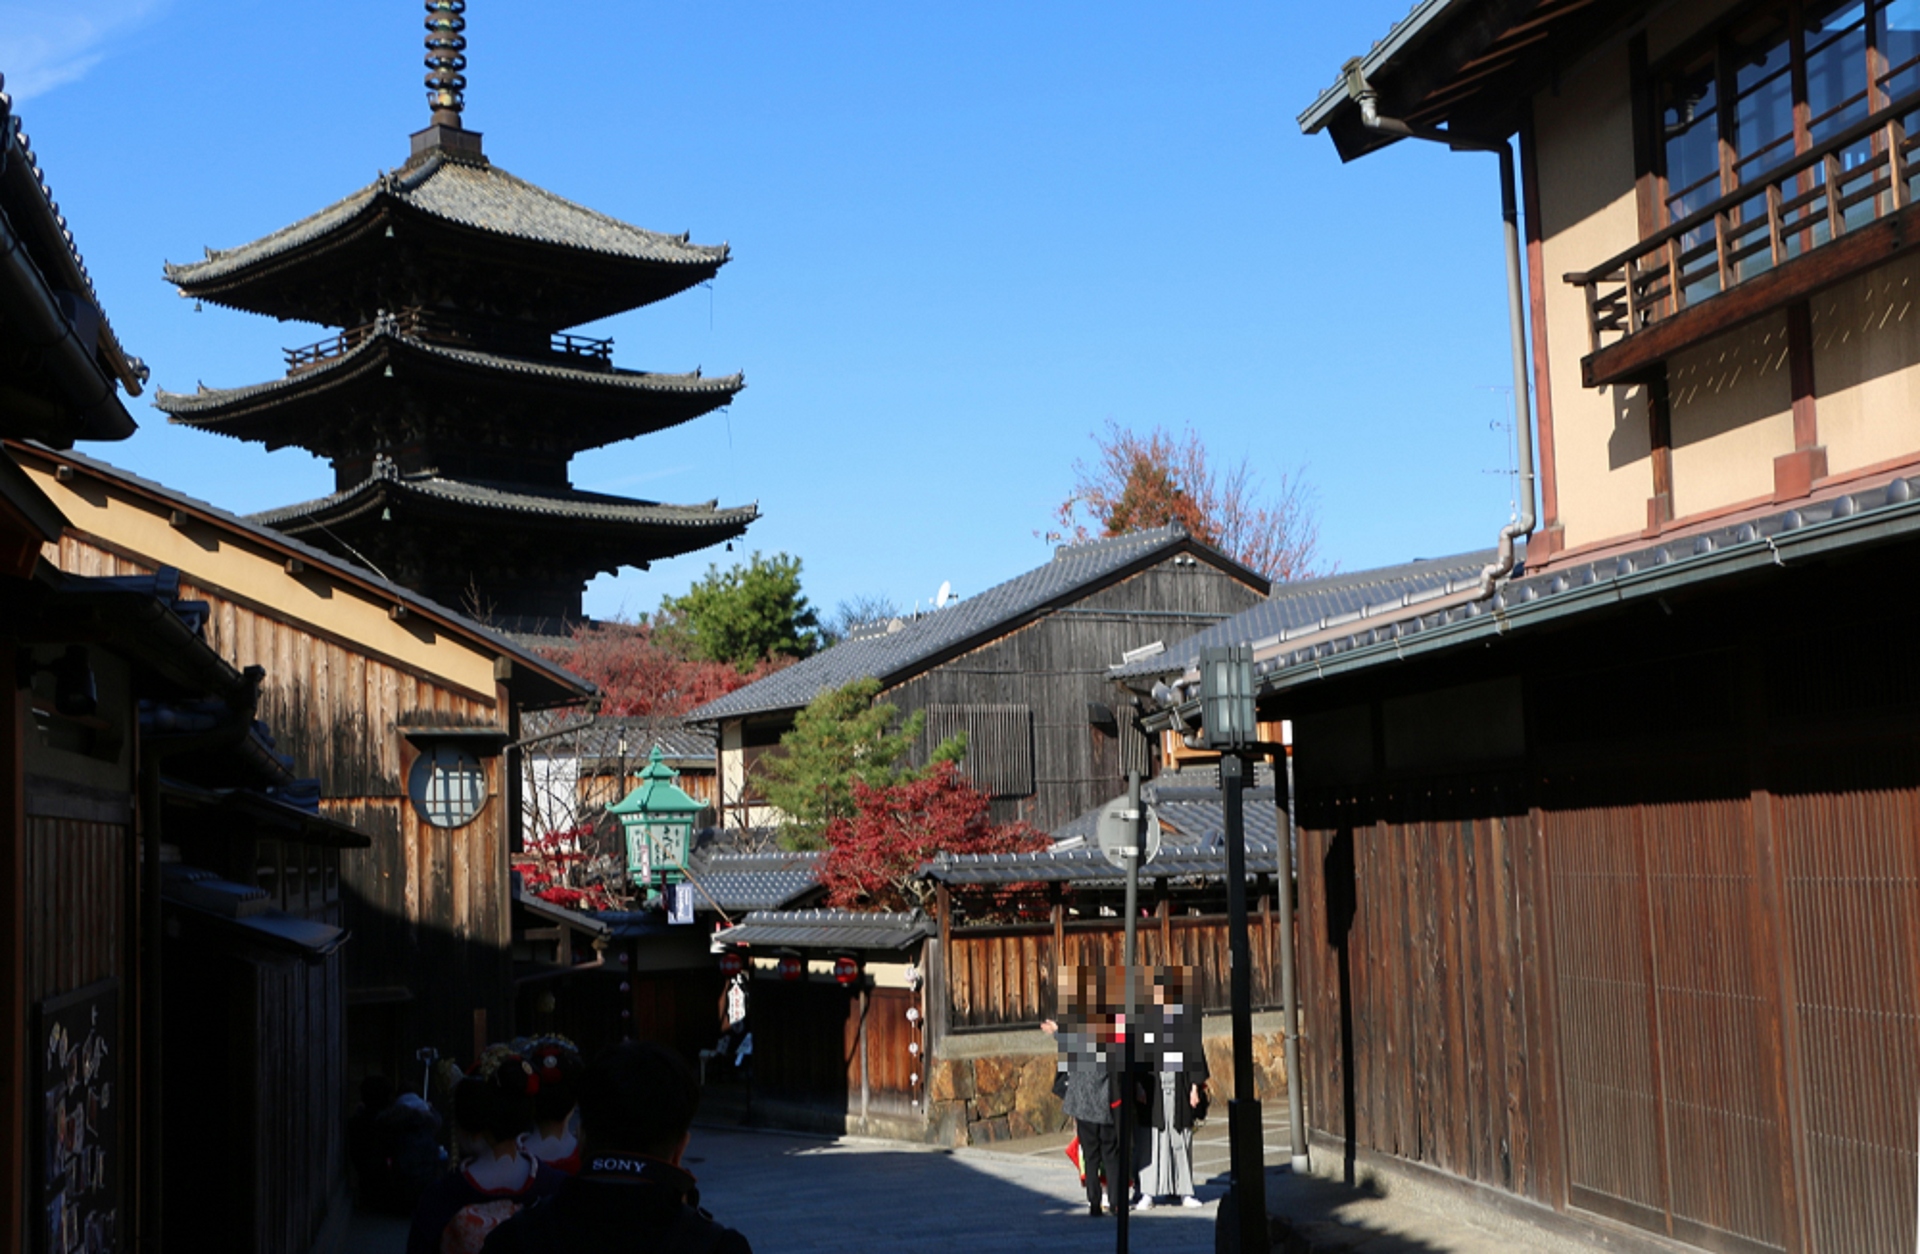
(453, 400)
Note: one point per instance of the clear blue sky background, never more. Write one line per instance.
(965, 237)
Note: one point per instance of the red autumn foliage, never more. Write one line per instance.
(872, 858)
(643, 672)
(558, 867)
(1140, 482)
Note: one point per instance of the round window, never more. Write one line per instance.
(448, 785)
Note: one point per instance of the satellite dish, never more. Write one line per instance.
(943, 596)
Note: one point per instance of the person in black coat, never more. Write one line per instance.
(1175, 1077)
(632, 1196)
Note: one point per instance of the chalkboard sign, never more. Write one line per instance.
(77, 1066)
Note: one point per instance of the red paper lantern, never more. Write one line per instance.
(792, 968)
(731, 964)
(846, 970)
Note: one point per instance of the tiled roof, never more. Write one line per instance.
(1315, 602)
(828, 929)
(753, 881)
(318, 559)
(554, 503)
(1089, 866)
(206, 403)
(33, 212)
(894, 653)
(481, 196)
(1868, 515)
(1190, 815)
(600, 739)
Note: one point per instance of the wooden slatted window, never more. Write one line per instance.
(999, 744)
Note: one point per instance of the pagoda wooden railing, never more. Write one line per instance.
(1810, 222)
(579, 350)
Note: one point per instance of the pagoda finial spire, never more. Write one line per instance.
(446, 59)
(447, 85)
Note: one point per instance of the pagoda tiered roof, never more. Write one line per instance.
(350, 403)
(690, 526)
(525, 553)
(451, 225)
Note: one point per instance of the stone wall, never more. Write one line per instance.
(998, 1086)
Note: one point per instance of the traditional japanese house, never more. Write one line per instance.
(143, 799)
(579, 768)
(1019, 668)
(453, 397)
(405, 711)
(1609, 869)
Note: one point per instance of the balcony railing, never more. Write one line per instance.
(581, 351)
(1811, 221)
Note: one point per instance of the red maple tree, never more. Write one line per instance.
(641, 672)
(873, 857)
(560, 867)
(1141, 482)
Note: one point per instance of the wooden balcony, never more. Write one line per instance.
(579, 351)
(1810, 223)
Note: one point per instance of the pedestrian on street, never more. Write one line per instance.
(637, 1103)
(499, 1178)
(1177, 1073)
(555, 1138)
(1085, 1077)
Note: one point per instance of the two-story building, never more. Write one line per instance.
(1609, 868)
(1019, 669)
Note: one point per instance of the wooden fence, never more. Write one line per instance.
(999, 977)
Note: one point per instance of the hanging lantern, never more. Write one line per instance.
(846, 970)
(731, 963)
(792, 967)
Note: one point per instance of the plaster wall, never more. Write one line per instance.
(254, 572)
(1866, 368)
(1584, 154)
(1731, 404)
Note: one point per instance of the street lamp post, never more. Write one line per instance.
(1226, 698)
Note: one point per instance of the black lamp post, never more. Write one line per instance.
(1229, 726)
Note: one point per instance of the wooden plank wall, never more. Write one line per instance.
(1057, 665)
(1421, 980)
(76, 928)
(1000, 977)
(422, 899)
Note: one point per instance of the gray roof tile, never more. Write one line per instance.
(481, 196)
(1091, 867)
(1310, 602)
(754, 881)
(554, 503)
(828, 929)
(888, 655)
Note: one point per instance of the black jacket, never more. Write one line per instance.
(619, 1204)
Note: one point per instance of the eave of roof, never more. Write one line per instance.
(1843, 522)
(1092, 867)
(473, 195)
(210, 407)
(24, 187)
(1316, 605)
(1075, 572)
(1402, 39)
(828, 929)
(564, 686)
(569, 505)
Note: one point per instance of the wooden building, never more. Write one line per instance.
(403, 710)
(1609, 882)
(454, 283)
(170, 963)
(1020, 668)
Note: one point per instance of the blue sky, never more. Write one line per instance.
(965, 237)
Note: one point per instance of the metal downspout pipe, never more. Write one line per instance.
(1522, 525)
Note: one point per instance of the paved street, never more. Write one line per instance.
(798, 1193)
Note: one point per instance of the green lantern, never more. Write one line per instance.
(657, 818)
